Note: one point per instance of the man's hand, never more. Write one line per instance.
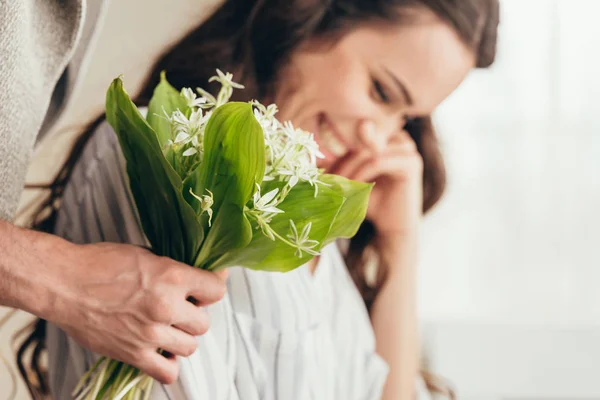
(117, 300)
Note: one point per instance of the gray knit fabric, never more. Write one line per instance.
(37, 40)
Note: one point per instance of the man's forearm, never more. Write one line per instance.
(25, 277)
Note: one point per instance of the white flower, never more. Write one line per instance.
(266, 204)
(225, 80)
(191, 99)
(307, 141)
(301, 241)
(189, 131)
(227, 86)
(291, 153)
(206, 203)
(304, 139)
(266, 115)
(190, 152)
(209, 99)
(181, 137)
(176, 118)
(301, 172)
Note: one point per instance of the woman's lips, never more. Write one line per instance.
(330, 143)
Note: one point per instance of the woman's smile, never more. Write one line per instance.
(331, 142)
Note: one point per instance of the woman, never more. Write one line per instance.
(364, 76)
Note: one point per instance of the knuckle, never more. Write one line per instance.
(160, 309)
(174, 274)
(152, 335)
(137, 359)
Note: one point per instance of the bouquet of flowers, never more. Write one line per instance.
(220, 184)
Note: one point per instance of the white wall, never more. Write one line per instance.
(511, 257)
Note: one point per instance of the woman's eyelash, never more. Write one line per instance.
(380, 91)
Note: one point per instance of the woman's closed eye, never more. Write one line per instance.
(380, 93)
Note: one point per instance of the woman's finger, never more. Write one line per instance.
(351, 162)
(368, 136)
(391, 165)
(402, 148)
(403, 137)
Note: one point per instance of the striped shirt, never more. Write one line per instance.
(296, 335)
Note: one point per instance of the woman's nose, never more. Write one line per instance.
(376, 134)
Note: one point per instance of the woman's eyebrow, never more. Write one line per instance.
(401, 86)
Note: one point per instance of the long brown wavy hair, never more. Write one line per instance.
(254, 40)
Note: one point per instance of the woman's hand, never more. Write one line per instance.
(396, 168)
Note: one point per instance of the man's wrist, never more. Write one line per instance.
(27, 269)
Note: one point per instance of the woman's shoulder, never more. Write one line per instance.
(97, 204)
(102, 142)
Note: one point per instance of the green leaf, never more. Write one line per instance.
(302, 207)
(234, 162)
(111, 372)
(167, 98)
(170, 224)
(354, 209)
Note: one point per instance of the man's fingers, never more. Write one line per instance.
(192, 320)
(223, 274)
(176, 341)
(165, 370)
(204, 286)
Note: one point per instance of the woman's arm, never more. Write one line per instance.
(394, 316)
(395, 209)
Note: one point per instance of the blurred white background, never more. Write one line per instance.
(511, 257)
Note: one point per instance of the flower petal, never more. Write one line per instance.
(266, 199)
(305, 232)
(182, 136)
(190, 152)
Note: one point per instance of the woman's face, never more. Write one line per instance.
(377, 75)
